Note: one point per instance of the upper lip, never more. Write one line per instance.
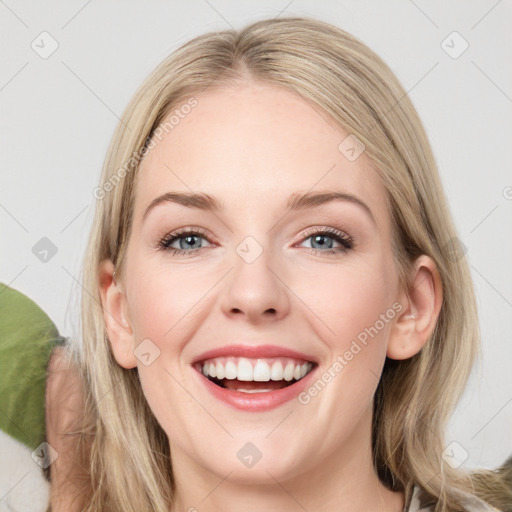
(253, 352)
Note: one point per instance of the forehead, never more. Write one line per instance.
(253, 143)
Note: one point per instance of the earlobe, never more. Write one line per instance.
(115, 314)
(422, 304)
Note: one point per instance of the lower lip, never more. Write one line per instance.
(257, 401)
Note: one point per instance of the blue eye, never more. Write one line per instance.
(320, 238)
(323, 240)
(187, 241)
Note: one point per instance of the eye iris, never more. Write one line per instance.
(320, 237)
(187, 240)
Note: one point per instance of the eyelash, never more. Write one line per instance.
(344, 239)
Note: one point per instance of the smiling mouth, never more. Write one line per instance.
(254, 375)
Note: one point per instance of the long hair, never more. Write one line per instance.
(130, 463)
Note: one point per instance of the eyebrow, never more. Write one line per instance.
(297, 201)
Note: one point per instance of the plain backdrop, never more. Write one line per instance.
(68, 70)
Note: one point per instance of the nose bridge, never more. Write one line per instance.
(254, 288)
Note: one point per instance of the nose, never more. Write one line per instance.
(256, 290)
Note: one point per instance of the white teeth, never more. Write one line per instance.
(242, 368)
(262, 371)
(288, 372)
(231, 370)
(276, 373)
(254, 390)
(219, 370)
(245, 371)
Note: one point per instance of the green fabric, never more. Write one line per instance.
(27, 337)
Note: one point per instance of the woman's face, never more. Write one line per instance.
(259, 290)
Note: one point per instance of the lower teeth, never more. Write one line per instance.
(254, 390)
(220, 383)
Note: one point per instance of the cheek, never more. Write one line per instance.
(355, 305)
(361, 305)
(160, 307)
(161, 300)
(356, 311)
(348, 299)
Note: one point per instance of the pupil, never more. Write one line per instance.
(189, 239)
(320, 237)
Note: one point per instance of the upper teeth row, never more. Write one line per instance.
(244, 369)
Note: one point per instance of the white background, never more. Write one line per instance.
(59, 113)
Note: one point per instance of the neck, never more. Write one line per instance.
(345, 481)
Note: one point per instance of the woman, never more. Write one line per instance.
(301, 356)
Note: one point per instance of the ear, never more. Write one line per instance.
(418, 319)
(115, 314)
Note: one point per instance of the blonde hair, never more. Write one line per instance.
(130, 463)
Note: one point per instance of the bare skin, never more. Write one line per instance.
(64, 409)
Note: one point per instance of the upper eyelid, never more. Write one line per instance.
(305, 234)
(181, 232)
(307, 231)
